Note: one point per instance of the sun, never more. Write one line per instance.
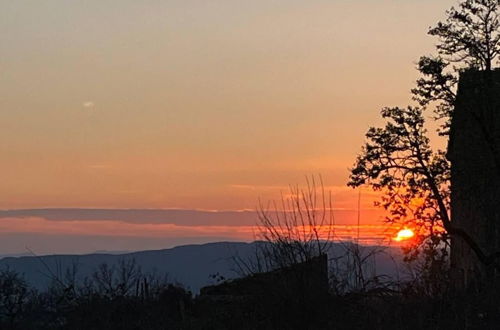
(404, 234)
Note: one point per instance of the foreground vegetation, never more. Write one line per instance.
(122, 297)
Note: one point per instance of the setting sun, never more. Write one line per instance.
(404, 234)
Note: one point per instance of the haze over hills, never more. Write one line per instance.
(83, 231)
(190, 265)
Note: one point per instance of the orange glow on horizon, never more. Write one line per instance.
(369, 234)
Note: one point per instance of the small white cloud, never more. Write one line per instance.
(88, 104)
(99, 166)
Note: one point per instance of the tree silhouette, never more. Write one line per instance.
(436, 86)
(469, 38)
(471, 34)
(398, 160)
(14, 294)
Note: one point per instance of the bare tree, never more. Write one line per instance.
(299, 227)
(117, 280)
(14, 295)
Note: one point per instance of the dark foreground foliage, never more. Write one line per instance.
(153, 304)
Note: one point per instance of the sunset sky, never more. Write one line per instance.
(196, 105)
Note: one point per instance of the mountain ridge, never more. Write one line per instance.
(190, 265)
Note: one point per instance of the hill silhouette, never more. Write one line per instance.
(189, 265)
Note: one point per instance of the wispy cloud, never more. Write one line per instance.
(257, 187)
(88, 105)
(99, 166)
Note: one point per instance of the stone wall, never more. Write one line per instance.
(474, 153)
(310, 277)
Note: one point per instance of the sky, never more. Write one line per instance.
(196, 105)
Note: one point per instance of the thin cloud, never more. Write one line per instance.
(99, 166)
(88, 105)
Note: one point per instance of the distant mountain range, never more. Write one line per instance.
(190, 265)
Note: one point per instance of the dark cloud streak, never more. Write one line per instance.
(142, 216)
(181, 217)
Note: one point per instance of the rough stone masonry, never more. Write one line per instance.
(474, 153)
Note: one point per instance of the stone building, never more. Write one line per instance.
(474, 153)
(288, 298)
(309, 277)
